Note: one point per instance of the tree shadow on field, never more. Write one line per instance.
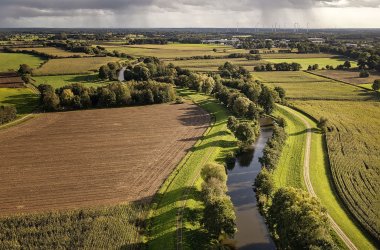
(167, 198)
(194, 117)
(24, 103)
(218, 143)
(369, 95)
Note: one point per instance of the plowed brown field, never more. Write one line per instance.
(94, 157)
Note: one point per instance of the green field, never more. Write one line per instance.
(170, 51)
(70, 66)
(12, 61)
(353, 151)
(206, 65)
(24, 99)
(295, 55)
(322, 62)
(216, 142)
(302, 85)
(55, 51)
(290, 173)
(58, 81)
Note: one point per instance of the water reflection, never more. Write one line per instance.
(252, 231)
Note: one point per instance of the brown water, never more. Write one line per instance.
(252, 230)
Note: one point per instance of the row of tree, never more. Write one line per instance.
(78, 96)
(7, 114)
(284, 66)
(218, 215)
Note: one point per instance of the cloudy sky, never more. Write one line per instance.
(190, 13)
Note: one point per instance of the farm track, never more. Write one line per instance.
(309, 186)
(94, 157)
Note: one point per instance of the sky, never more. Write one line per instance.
(190, 13)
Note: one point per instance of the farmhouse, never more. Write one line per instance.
(11, 80)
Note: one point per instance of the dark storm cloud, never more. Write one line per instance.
(138, 10)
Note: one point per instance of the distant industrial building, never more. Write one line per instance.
(316, 40)
(221, 41)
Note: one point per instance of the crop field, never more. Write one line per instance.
(348, 76)
(171, 51)
(205, 65)
(24, 99)
(94, 157)
(55, 51)
(322, 62)
(69, 66)
(116, 227)
(58, 81)
(12, 61)
(353, 151)
(302, 85)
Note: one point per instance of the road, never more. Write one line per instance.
(309, 186)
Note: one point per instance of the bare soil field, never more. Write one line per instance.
(94, 157)
(348, 76)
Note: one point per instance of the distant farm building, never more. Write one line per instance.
(317, 40)
(221, 41)
(11, 80)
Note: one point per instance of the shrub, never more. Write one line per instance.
(7, 114)
(364, 74)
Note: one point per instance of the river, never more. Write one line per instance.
(252, 231)
(121, 74)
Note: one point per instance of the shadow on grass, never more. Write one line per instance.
(24, 103)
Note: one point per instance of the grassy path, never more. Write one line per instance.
(317, 179)
(177, 207)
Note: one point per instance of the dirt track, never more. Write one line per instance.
(94, 157)
(309, 186)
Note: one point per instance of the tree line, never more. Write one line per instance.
(78, 96)
(284, 66)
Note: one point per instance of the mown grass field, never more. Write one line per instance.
(302, 85)
(55, 51)
(171, 51)
(58, 81)
(215, 143)
(206, 65)
(353, 150)
(12, 61)
(322, 62)
(295, 55)
(69, 66)
(24, 99)
(349, 76)
(290, 173)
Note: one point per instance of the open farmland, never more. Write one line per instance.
(353, 152)
(12, 61)
(69, 66)
(171, 51)
(205, 65)
(24, 99)
(349, 76)
(55, 51)
(90, 80)
(302, 85)
(94, 157)
(295, 55)
(322, 62)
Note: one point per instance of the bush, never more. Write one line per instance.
(7, 114)
(214, 170)
(376, 85)
(364, 74)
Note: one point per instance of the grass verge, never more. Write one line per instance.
(320, 175)
(185, 179)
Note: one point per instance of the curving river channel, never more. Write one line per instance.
(252, 231)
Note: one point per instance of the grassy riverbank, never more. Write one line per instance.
(182, 188)
(290, 171)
